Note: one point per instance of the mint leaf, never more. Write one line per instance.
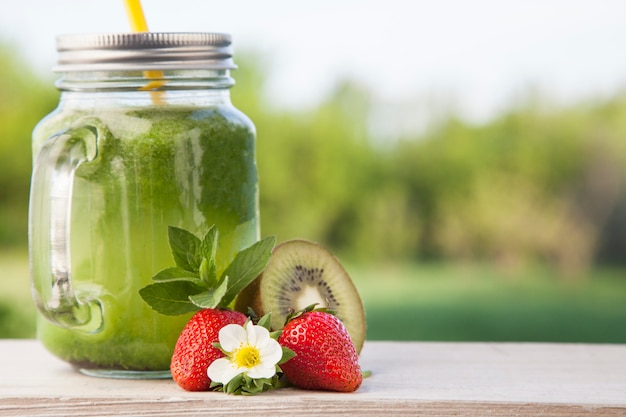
(193, 284)
(208, 246)
(207, 272)
(175, 273)
(212, 297)
(208, 249)
(246, 266)
(171, 297)
(185, 248)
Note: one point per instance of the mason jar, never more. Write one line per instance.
(144, 137)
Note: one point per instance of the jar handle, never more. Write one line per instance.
(49, 228)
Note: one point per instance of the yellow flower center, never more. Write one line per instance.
(247, 357)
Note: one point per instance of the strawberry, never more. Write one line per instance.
(326, 358)
(194, 350)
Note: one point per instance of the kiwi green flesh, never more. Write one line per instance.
(301, 273)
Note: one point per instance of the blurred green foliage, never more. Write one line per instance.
(24, 100)
(476, 302)
(537, 185)
(534, 185)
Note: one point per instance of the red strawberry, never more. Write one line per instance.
(194, 351)
(326, 358)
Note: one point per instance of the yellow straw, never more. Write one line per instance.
(135, 16)
(138, 23)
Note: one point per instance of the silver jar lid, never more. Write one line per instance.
(144, 51)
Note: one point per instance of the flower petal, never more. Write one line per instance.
(262, 370)
(223, 370)
(257, 334)
(232, 336)
(263, 344)
(271, 353)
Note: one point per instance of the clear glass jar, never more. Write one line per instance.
(144, 137)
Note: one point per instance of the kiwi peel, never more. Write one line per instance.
(301, 273)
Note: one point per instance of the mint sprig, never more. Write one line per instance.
(193, 283)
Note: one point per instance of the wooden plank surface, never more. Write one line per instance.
(408, 378)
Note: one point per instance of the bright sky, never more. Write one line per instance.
(476, 55)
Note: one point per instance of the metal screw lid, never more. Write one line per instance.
(144, 51)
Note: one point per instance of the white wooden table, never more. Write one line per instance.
(409, 379)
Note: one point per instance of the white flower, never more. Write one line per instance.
(249, 350)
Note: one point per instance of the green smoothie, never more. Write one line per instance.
(156, 166)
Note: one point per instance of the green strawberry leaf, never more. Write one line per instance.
(265, 321)
(246, 266)
(185, 248)
(171, 297)
(176, 273)
(287, 354)
(218, 345)
(242, 384)
(212, 297)
(258, 385)
(252, 314)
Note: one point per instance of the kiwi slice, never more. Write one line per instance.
(301, 273)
